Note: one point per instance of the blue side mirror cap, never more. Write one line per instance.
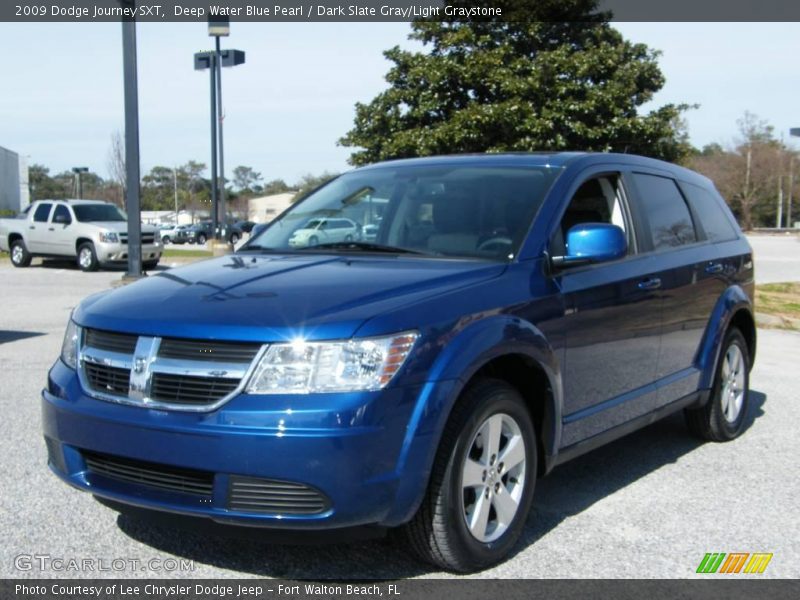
(591, 243)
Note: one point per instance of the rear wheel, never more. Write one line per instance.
(87, 259)
(482, 482)
(201, 239)
(313, 240)
(723, 417)
(20, 257)
(165, 239)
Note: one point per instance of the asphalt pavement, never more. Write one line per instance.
(649, 505)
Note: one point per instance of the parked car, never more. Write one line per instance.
(94, 233)
(517, 311)
(323, 231)
(199, 233)
(170, 232)
(246, 226)
(369, 233)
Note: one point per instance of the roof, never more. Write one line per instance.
(533, 159)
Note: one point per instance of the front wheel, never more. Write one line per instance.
(87, 259)
(149, 265)
(723, 417)
(482, 482)
(201, 239)
(234, 238)
(20, 257)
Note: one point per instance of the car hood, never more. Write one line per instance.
(276, 297)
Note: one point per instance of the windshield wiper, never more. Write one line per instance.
(365, 246)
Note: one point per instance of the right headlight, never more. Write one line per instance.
(69, 348)
(304, 367)
(108, 237)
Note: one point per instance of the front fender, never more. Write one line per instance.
(472, 347)
(729, 303)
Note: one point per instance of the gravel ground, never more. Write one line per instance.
(649, 505)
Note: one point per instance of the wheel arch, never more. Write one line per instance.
(80, 242)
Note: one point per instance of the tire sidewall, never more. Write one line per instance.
(477, 553)
(25, 261)
(731, 430)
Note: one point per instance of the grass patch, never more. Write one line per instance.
(780, 302)
(171, 253)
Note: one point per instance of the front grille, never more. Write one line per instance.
(103, 378)
(107, 340)
(175, 479)
(187, 389)
(147, 238)
(250, 494)
(206, 350)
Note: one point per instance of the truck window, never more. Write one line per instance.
(42, 212)
(667, 214)
(710, 212)
(63, 212)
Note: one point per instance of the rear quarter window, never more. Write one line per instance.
(666, 212)
(710, 212)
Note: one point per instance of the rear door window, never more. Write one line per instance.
(665, 210)
(710, 213)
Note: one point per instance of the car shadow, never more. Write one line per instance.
(13, 336)
(568, 490)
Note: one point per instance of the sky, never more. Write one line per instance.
(62, 96)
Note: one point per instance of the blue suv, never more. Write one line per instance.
(505, 314)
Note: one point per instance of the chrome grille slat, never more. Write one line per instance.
(155, 475)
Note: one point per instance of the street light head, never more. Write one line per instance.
(80, 169)
(219, 26)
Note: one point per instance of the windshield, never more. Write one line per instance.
(98, 212)
(459, 211)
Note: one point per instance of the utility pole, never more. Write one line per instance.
(222, 208)
(175, 181)
(791, 189)
(78, 181)
(132, 199)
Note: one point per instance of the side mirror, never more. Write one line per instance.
(589, 243)
(62, 219)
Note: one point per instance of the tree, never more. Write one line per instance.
(308, 183)
(245, 179)
(552, 75)
(276, 186)
(116, 166)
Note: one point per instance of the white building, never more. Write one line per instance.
(14, 191)
(266, 208)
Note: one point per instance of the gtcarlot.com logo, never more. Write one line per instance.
(47, 562)
(734, 562)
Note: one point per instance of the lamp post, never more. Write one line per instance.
(214, 61)
(78, 171)
(795, 132)
(132, 191)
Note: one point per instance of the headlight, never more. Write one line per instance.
(109, 237)
(354, 365)
(69, 348)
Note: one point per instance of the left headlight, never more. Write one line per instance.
(108, 237)
(69, 348)
(304, 367)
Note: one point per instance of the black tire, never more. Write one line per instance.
(149, 265)
(201, 239)
(234, 238)
(313, 240)
(439, 533)
(165, 239)
(348, 238)
(711, 422)
(87, 257)
(20, 257)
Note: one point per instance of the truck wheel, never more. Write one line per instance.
(87, 259)
(165, 239)
(234, 238)
(20, 257)
(482, 481)
(149, 265)
(201, 239)
(723, 417)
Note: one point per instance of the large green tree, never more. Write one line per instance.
(552, 75)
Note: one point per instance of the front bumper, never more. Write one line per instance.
(113, 253)
(353, 448)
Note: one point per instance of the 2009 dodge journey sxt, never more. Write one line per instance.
(455, 328)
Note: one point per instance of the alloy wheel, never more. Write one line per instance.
(733, 384)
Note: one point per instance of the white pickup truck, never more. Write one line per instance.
(94, 233)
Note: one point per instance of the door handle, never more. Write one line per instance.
(51, 229)
(31, 227)
(650, 284)
(714, 268)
